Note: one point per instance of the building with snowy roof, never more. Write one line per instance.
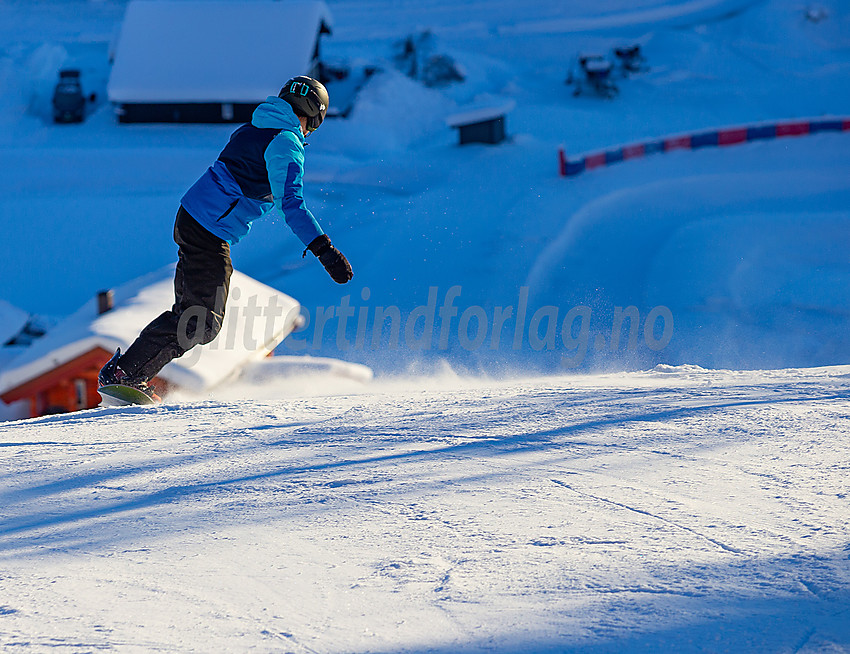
(482, 123)
(211, 61)
(58, 372)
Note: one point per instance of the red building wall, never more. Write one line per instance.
(69, 387)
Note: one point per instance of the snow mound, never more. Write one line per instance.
(269, 369)
(685, 369)
(393, 114)
(753, 276)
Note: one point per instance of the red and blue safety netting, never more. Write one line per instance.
(711, 138)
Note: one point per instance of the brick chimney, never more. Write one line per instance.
(105, 301)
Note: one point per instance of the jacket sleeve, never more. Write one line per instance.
(285, 165)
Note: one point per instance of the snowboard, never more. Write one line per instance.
(119, 395)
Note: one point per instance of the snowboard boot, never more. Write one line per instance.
(111, 373)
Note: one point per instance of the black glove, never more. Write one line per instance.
(332, 259)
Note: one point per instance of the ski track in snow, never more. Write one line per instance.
(631, 512)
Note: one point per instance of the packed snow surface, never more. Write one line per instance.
(677, 510)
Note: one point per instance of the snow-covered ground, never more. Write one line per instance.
(679, 510)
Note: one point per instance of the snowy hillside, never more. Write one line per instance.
(680, 510)
(413, 211)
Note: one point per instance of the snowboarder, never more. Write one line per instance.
(262, 164)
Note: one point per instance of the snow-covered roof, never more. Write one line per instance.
(481, 112)
(213, 50)
(245, 336)
(12, 321)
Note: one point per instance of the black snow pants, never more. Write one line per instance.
(201, 285)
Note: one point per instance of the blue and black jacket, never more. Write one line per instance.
(261, 167)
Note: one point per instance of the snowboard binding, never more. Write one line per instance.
(111, 378)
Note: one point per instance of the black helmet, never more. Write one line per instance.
(308, 97)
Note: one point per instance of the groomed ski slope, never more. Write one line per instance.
(677, 510)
